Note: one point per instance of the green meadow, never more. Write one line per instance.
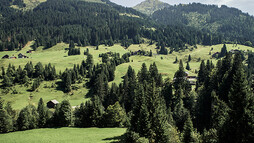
(57, 56)
(64, 135)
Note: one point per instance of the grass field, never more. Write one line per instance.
(64, 135)
(57, 56)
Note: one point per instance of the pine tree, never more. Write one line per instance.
(188, 66)
(239, 127)
(39, 70)
(202, 75)
(223, 51)
(43, 114)
(89, 62)
(71, 46)
(176, 61)
(7, 81)
(143, 75)
(189, 58)
(36, 84)
(180, 114)
(64, 114)
(67, 82)
(114, 116)
(150, 53)
(6, 123)
(180, 80)
(28, 118)
(189, 135)
(167, 93)
(3, 72)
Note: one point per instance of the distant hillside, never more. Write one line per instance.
(150, 6)
(232, 23)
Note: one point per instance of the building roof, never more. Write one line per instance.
(54, 101)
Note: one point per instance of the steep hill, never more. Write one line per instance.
(150, 6)
(232, 23)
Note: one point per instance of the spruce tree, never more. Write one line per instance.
(7, 81)
(64, 114)
(189, 135)
(6, 122)
(202, 74)
(188, 66)
(43, 114)
(189, 58)
(3, 72)
(67, 82)
(239, 127)
(223, 51)
(28, 118)
(114, 116)
(180, 80)
(219, 114)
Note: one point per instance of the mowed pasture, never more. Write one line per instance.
(58, 56)
(64, 135)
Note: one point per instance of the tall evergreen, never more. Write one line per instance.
(63, 114)
(43, 114)
(180, 80)
(189, 135)
(188, 66)
(223, 51)
(6, 122)
(7, 81)
(202, 74)
(28, 118)
(239, 127)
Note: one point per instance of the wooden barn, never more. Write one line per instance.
(6, 57)
(52, 103)
(22, 56)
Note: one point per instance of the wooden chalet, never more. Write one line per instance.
(52, 103)
(6, 57)
(20, 56)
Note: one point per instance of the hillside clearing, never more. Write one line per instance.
(65, 135)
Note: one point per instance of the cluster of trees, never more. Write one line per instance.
(13, 76)
(73, 50)
(219, 110)
(99, 74)
(90, 114)
(142, 53)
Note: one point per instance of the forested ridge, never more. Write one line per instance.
(86, 23)
(233, 24)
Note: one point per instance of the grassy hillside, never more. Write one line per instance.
(31, 4)
(150, 6)
(57, 56)
(65, 135)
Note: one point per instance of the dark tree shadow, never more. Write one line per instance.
(59, 86)
(117, 139)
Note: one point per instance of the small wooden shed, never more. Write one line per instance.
(6, 57)
(52, 103)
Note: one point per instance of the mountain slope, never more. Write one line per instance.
(230, 22)
(150, 6)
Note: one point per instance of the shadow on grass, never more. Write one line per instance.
(116, 139)
(59, 86)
